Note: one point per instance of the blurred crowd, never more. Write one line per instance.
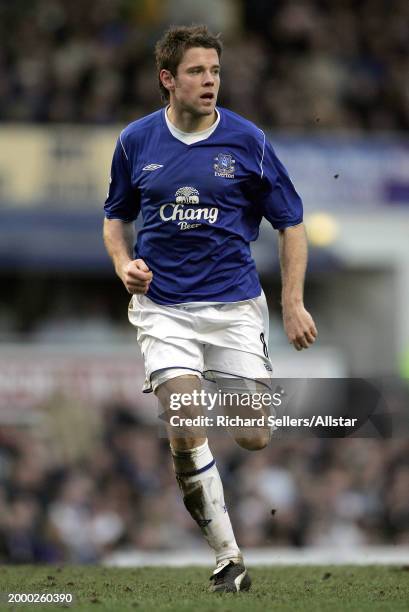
(288, 64)
(109, 485)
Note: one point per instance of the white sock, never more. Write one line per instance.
(202, 489)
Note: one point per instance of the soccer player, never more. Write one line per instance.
(202, 178)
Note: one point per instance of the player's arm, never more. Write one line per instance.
(118, 239)
(298, 323)
(121, 209)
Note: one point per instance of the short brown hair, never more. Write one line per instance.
(171, 47)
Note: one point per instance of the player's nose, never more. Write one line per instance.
(208, 78)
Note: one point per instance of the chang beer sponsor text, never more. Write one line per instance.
(185, 209)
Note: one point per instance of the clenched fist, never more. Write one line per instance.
(136, 276)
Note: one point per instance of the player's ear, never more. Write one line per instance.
(167, 79)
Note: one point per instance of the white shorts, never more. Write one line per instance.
(228, 339)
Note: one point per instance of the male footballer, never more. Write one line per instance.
(202, 178)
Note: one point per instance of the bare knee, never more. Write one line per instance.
(181, 438)
(254, 442)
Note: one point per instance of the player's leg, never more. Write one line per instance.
(201, 486)
(196, 472)
(170, 349)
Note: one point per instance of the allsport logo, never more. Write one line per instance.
(185, 208)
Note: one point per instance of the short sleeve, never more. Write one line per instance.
(280, 203)
(122, 200)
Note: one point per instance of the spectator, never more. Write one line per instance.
(290, 65)
(120, 492)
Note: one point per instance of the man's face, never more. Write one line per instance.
(196, 84)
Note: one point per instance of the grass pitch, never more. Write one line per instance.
(306, 588)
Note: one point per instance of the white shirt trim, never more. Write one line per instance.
(262, 155)
(122, 145)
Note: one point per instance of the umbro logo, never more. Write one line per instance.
(152, 167)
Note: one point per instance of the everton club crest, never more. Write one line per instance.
(224, 165)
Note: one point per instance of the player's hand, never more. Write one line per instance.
(299, 326)
(136, 276)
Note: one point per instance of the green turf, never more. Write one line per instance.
(289, 589)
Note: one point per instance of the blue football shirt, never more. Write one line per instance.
(201, 205)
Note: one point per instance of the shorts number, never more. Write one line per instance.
(263, 342)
